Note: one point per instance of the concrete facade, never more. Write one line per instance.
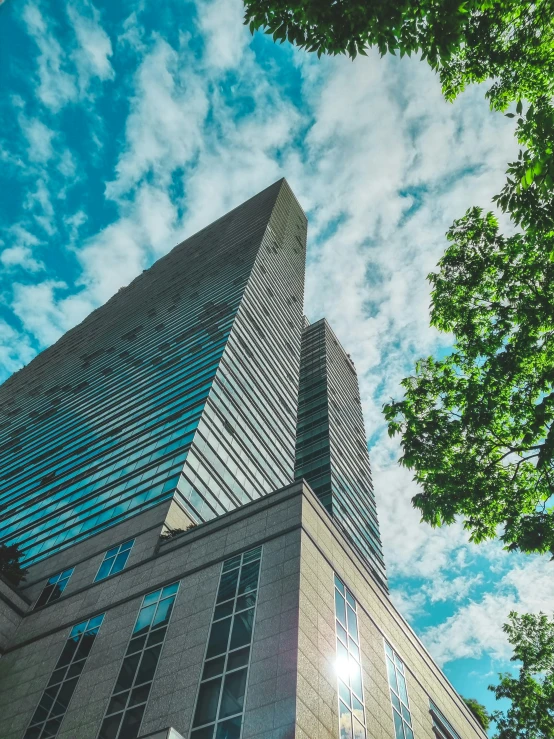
(292, 683)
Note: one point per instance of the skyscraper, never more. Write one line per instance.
(181, 584)
(182, 388)
(331, 447)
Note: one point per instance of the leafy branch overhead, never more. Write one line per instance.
(477, 426)
(507, 41)
(531, 691)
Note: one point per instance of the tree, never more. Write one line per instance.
(466, 41)
(10, 567)
(477, 426)
(531, 692)
(479, 711)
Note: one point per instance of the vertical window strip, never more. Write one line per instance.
(349, 670)
(53, 704)
(442, 728)
(220, 702)
(132, 688)
(399, 695)
(114, 560)
(54, 587)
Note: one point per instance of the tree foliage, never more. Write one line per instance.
(10, 566)
(479, 711)
(477, 426)
(509, 41)
(531, 692)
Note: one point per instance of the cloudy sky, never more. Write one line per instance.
(126, 127)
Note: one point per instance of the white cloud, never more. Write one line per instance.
(225, 40)
(20, 256)
(65, 73)
(15, 349)
(39, 138)
(476, 627)
(164, 129)
(92, 55)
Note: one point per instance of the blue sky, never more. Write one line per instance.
(128, 126)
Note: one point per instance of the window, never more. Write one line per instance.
(114, 560)
(349, 670)
(441, 727)
(53, 704)
(54, 587)
(399, 695)
(220, 701)
(132, 688)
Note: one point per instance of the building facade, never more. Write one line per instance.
(182, 388)
(331, 446)
(181, 584)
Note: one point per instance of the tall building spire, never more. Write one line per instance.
(182, 387)
(331, 447)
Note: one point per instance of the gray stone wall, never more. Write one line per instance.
(324, 551)
(292, 686)
(12, 609)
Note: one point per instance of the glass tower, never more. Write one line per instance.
(182, 387)
(331, 447)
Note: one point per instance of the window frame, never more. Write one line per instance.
(194, 730)
(118, 551)
(394, 710)
(140, 652)
(442, 728)
(349, 602)
(49, 599)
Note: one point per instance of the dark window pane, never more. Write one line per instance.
(51, 728)
(127, 673)
(110, 727)
(402, 691)
(127, 545)
(136, 644)
(223, 610)
(227, 585)
(64, 696)
(155, 637)
(151, 598)
(163, 612)
(232, 700)
(75, 668)
(229, 729)
(213, 667)
(148, 664)
(249, 577)
(206, 733)
(242, 629)
(231, 563)
(219, 636)
(238, 659)
(118, 703)
(45, 595)
(140, 695)
(339, 584)
(344, 692)
(208, 698)
(33, 732)
(350, 599)
(252, 554)
(41, 714)
(85, 645)
(246, 601)
(67, 652)
(131, 723)
(57, 676)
